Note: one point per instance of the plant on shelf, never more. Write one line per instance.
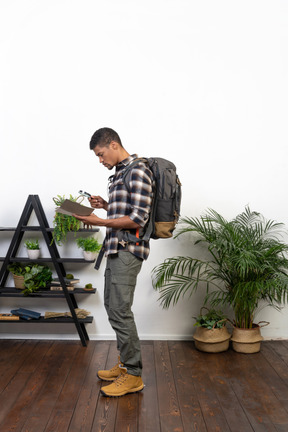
(88, 287)
(35, 276)
(18, 272)
(16, 269)
(246, 265)
(90, 247)
(33, 248)
(64, 223)
(32, 244)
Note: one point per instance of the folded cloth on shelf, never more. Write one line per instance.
(26, 314)
(80, 313)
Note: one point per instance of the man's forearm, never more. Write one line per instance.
(123, 222)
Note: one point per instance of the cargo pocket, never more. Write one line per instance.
(122, 293)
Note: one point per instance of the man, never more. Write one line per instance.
(127, 210)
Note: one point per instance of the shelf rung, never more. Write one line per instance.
(59, 320)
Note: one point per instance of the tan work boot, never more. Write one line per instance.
(111, 374)
(123, 385)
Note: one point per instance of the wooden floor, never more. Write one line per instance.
(52, 386)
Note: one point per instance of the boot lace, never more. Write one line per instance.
(115, 368)
(121, 379)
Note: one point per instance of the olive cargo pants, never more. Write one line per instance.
(120, 281)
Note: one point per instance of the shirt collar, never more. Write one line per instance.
(126, 161)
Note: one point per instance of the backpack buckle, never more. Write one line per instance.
(123, 243)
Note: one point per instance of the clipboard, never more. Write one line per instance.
(69, 207)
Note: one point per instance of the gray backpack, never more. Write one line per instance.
(166, 202)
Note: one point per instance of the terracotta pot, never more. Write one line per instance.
(213, 341)
(247, 341)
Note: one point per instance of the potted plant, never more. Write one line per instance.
(36, 276)
(33, 249)
(90, 247)
(63, 223)
(211, 334)
(246, 265)
(33, 276)
(18, 272)
(88, 287)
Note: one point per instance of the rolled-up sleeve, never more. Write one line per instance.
(141, 188)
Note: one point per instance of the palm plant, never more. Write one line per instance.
(247, 265)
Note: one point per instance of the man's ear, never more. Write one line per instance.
(114, 145)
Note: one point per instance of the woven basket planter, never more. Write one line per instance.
(211, 341)
(247, 341)
(18, 281)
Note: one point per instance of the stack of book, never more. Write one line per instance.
(56, 284)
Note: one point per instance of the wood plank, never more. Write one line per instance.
(126, 418)
(13, 361)
(71, 389)
(217, 369)
(183, 366)
(10, 395)
(275, 372)
(245, 381)
(35, 358)
(130, 406)
(148, 410)
(169, 410)
(85, 408)
(46, 400)
(59, 422)
(55, 388)
(31, 403)
(211, 407)
(106, 411)
(277, 355)
(264, 387)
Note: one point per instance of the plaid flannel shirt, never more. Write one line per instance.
(135, 203)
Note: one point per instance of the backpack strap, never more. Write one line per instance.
(144, 234)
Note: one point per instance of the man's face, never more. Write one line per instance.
(107, 155)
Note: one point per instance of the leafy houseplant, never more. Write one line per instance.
(35, 276)
(18, 272)
(211, 334)
(90, 247)
(211, 319)
(16, 269)
(33, 249)
(64, 223)
(247, 265)
(32, 244)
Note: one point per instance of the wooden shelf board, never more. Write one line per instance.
(59, 320)
(38, 228)
(43, 260)
(14, 292)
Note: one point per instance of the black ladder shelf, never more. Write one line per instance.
(33, 203)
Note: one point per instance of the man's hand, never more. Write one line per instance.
(98, 202)
(89, 220)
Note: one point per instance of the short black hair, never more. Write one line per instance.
(103, 137)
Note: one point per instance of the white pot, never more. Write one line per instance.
(33, 253)
(89, 256)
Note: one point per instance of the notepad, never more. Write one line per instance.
(69, 207)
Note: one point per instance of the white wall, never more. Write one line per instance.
(201, 83)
